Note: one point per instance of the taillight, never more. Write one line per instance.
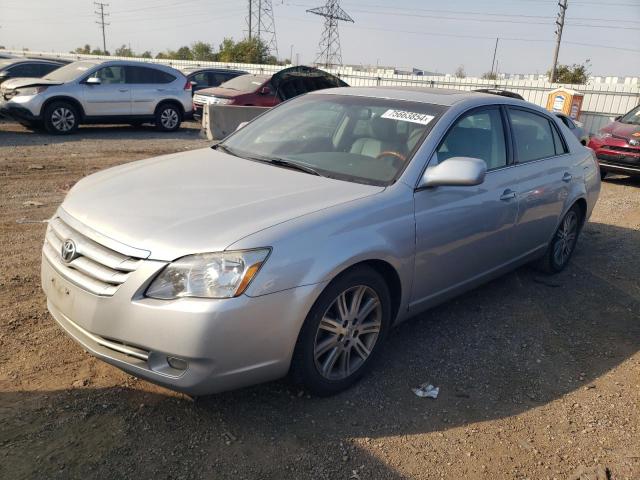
(187, 85)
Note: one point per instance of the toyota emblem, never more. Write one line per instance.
(68, 252)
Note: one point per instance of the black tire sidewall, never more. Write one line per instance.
(551, 258)
(161, 108)
(303, 369)
(49, 112)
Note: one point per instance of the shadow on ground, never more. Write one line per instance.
(512, 345)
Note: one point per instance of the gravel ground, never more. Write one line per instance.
(539, 376)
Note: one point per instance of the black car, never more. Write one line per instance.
(27, 68)
(203, 77)
(502, 93)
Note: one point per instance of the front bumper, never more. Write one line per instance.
(17, 112)
(223, 344)
(618, 158)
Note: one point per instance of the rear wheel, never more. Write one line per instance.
(563, 242)
(61, 118)
(603, 174)
(168, 117)
(343, 332)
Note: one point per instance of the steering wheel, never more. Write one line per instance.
(389, 153)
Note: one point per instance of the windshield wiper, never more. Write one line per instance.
(281, 162)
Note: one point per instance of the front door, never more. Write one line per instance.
(465, 233)
(112, 97)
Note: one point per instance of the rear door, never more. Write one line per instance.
(543, 167)
(148, 86)
(112, 97)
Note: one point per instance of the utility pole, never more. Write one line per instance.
(493, 62)
(559, 26)
(101, 22)
(262, 24)
(330, 52)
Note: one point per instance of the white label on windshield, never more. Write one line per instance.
(413, 117)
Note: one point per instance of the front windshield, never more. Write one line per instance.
(70, 72)
(245, 83)
(361, 139)
(633, 117)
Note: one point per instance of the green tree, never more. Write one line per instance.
(203, 51)
(83, 50)
(124, 51)
(246, 51)
(146, 54)
(575, 74)
(184, 53)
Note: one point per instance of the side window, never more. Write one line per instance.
(45, 68)
(202, 79)
(558, 143)
(568, 122)
(533, 136)
(144, 75)
(25, 70)
(219, 78)
(479, 134)
(110, 75)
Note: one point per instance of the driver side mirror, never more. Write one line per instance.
(265, 91)
(455, 172)
(93, 81)
(193, 83)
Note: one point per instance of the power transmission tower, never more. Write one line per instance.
(262, 25)
(560, 25)
(329, 47)
(101, 22)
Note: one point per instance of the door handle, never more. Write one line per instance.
(161, 89)
(507, 195)
(567, 177)
(123, 90)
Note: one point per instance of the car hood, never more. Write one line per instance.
(199, 201)
(14, 83)
(221, 92)
(624, 130)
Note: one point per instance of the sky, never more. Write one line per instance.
(431, 35)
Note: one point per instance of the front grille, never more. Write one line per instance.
(96, 268)
(624, 149)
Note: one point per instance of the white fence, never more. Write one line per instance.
(602, 101)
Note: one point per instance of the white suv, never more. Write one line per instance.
(98, 91)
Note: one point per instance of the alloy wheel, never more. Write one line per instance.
(63, 119)
(348, 332)
(169, 118)
(566, 238)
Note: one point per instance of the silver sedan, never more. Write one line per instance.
(293, 246)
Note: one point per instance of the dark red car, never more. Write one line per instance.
(266, 90)
(617, 145)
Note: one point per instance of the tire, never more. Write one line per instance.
(168, 117)
(603, 174)
(333, 351)
(563, 243)
(61, 118)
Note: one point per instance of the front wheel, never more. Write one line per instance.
(343, 332)
(61, 118)
(168, 118)
(563, 242)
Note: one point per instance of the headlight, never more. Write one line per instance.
(602, 135)
(208, 275)
(30, 91)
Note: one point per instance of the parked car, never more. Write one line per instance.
(617, 145)
(202, 77)
(576, 127)
(294, 245)
(98, 91)
(266, 90)
(26, 68)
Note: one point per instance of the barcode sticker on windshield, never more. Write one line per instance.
(413, 117)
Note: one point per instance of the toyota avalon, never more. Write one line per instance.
(292, 247)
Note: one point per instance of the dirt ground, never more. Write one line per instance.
(539, 376)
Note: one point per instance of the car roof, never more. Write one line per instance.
(7, 62)
(191, 70)
(435, 96)
(134, 63)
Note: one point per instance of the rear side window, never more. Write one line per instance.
(533, 135)
(558, 142)
(148, 75)
(202, 79)
(478, 134)
(26, 70)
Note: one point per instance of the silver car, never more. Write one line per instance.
(576, 127)
(293, 246)
(96, 91)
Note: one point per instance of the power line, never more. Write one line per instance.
(330, 51)
(560, 26)
(101, 22)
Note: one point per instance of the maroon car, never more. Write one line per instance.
(266, 90)
(617, 145)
